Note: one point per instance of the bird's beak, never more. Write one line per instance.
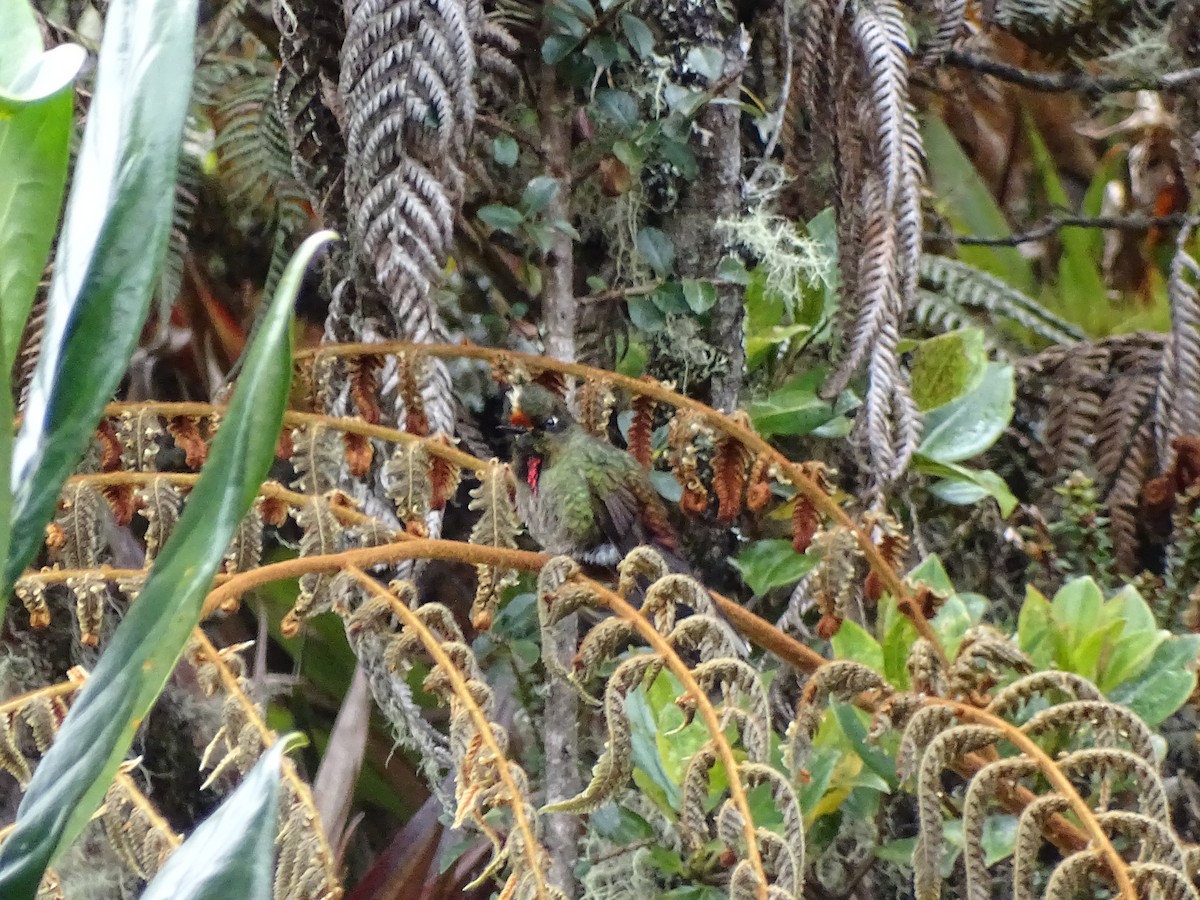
(518, 423)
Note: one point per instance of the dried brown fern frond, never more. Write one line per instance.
(137, 832)
(305, 95)
(497, 526)
(81, 522)
(1093, 406)
(141, 435)
(160, 503)
(850, 51)
(321, 537)
(317, 456)
(678, 622)
(487, 780)
(409, 478)
(139, 835)
(1097, 762)
(305, 865)
(245, 550)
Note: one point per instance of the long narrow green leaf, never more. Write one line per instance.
(110, 250)
(69, 784)
(1081, 294)
(35, 128)
(233, 853)
(968, 205)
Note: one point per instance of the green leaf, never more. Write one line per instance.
(657, 250)
(557, 47)
(963, 486)
(1166, 683)
(502, 218)
(794, 408)
(618, 107)
(1082, 294)
(538, 193)
(1076, 608)
(1037, 633)
(947, 366)
(850, 719)
(971, 424)
(604, 51)
(72, 778)
(706, 61)
(27, 74)
(34, 134)
(505, 150)
(931, 572)
(733, 270)
(968, 204)
(639, 35)
(898, 636)
(111, 247)
(769, 564)
(232, 853)
(645, 314)
(1136, 640)
(852, 641)
(34, 145)
(582, 9)
(700, 295)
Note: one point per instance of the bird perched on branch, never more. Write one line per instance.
(581, 496)
(584, 498)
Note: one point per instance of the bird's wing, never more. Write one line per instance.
(627, 510)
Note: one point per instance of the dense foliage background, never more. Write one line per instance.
(896, 302)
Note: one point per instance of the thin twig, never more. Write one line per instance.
(1053, 224)
(1063, 82)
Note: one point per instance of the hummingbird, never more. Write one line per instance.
(579, 495)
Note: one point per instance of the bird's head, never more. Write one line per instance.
(539, 413)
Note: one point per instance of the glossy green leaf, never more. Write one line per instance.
(850, 720)
(557, 46)
(1037, 634)
(657, 250)
(70, 782)
(1077, 607)
(898, 636)
(852, 641)
(769, 564)
(538, 193)
(618, 107)
(947, 366)
(962, 486)
(27, 74)
(1166, 683)
(232, 853)
(639, 35)
(700, 295)
(35, 127)
(971, 424)
(794, 408)
(505, 150)
(500, 217)
(34, 148)
(111, 247)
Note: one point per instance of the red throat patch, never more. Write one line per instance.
(533, 473)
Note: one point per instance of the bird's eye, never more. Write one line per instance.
(552, 422)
